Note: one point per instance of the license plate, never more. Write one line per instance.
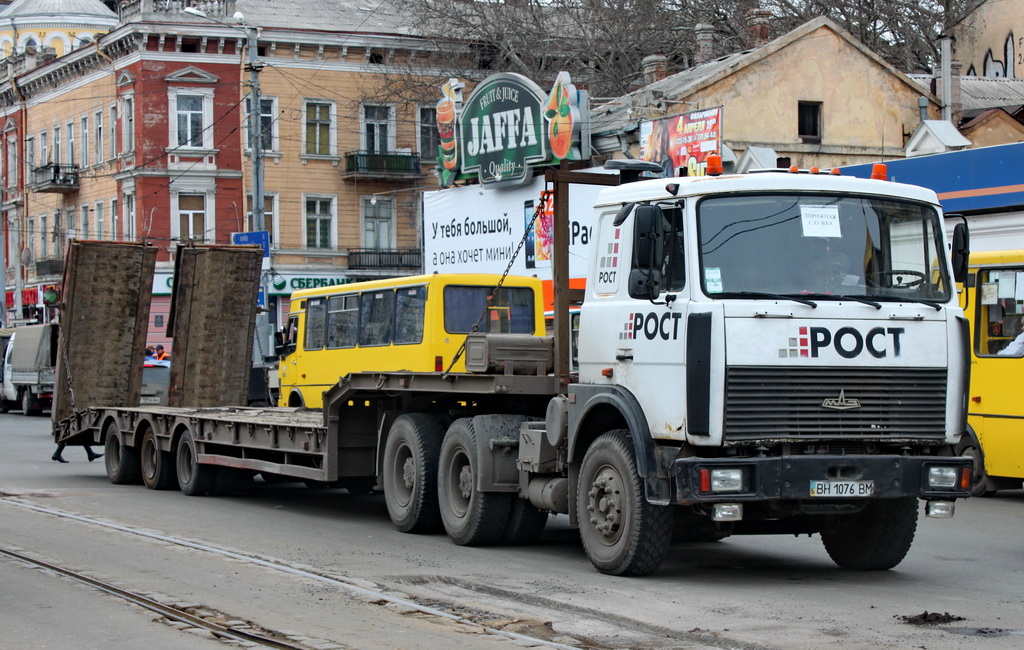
(149, 400)
(833, 489)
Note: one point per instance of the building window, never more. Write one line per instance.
(319, 222)
(71, 144)
(376, 128)
(100, 225)
(58, 234)
(319, 123)
(72, 223)
(115, 232)
(56, 144)
(129, 217)
(44, 250)
(44, 148)
(112, 136)
(12, 161)
(98, 136)
(30, 157)
(268, 125)
(192, 217)
(85, 222)
(127, 124)
(268, 215)
(430, 139)
(378, 219)
(189, 112)
(809, 117)
(85, 142)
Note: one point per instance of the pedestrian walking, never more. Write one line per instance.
(60, 450)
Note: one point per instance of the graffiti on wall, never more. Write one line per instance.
(1005, 67)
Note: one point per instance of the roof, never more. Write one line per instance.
(980, 93)
(50, 8)
(619, 114)
(364, 16)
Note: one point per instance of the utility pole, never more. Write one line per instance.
(255, 131)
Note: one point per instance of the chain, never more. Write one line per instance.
(544, 196)
(67, 368)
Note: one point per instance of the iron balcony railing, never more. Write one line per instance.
(378, 258)
(50, 266)
(52, 177)
(372, 163)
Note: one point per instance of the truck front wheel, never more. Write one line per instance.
(622, 533)
(875, 539)
(410, 472)
(471, 517)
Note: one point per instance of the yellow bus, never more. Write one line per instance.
(416, 323)
(995, 307)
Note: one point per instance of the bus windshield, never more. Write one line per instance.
(821, 245)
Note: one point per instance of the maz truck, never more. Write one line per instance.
(767, 353)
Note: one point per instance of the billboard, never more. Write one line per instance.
(683, 140)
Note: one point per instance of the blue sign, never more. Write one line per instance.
(261, 298)
(256, 238)
(987, 179)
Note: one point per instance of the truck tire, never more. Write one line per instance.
(875, 539)
(410, 472)
(193, 479)
(122, 462)
(27, 402)
(157, 465)
(969, 447)
(525, 523)
(471, 517)
(622, 533)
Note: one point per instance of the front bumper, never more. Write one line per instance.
(790, 477)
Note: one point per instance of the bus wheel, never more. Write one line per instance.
(875, 539)
(471, 517)
(193, 479)
(157, 466)
(122, 462)
(969, 447)
(622, 533)
(410, 472)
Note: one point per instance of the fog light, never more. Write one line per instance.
(939, 509)
(727, 480)
(942, 477)
(727, 512)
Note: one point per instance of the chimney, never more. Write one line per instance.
(705, 43)
(956, 99)
(757, 27)
(654, 67)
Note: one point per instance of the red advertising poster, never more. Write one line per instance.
(682, 141)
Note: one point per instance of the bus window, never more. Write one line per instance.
(315, 317)
(512, 309)
(409, 310)
(1001, 317)
(342, 321)
(376, 317)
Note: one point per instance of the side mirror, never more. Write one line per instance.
(961, 251)
(648, 252)
(280, 341)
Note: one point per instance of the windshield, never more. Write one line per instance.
(789, 244)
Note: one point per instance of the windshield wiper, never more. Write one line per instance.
(934, 305)
(761, 294)
(832, 296)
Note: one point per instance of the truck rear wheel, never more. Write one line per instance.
(122, 462)
(471, 517)
(157, 465)
(27, 403)
(193, 479)
(875, 539)
(525, 523)
(622, 533)
(410, 472)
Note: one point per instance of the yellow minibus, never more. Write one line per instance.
(415, 323)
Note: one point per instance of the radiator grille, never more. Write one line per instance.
(768, 403)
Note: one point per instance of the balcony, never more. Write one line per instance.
(52, 177)
(50, 266)
(392, 165)
(379, 258)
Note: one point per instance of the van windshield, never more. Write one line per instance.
(815, 244)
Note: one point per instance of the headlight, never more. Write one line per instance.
(942, 477)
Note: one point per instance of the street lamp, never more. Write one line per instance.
(255, 135)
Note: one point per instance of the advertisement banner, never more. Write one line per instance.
(469, 230)
(683, 140)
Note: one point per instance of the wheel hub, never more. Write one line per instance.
(605, 503)
(409, 473)
(466, 482)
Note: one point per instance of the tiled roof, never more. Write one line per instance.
(364, 16)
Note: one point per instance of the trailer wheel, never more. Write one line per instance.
(410, 472)
(193, 479)
(622, 533)
(525, 523)
(157, 465)
(26, 403)
(122, 462)
(471, 517)
(875, 539)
